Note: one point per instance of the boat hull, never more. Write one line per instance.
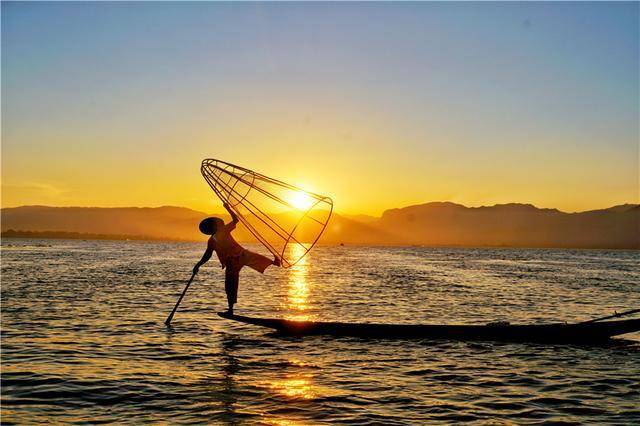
(551, 333)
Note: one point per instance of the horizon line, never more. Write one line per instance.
(338, 212)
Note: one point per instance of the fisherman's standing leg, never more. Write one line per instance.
(231, 282)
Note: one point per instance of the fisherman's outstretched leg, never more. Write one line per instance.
(257, 261)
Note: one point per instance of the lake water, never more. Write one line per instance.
(83, 338)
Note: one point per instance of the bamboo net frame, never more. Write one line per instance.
(266, 207)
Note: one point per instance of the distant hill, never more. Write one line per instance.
(431, 224)
(174, 223)
(515, 225)
(171, 223)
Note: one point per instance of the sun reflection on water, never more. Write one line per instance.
(297, 302)
(297, 387)
(282, 422)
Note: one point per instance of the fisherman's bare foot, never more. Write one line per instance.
(230, 310)
(276, 261)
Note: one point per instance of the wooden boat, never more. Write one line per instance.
(587, 332)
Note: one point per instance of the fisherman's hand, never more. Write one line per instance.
(234, 217)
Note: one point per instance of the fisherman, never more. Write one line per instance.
(232, 256)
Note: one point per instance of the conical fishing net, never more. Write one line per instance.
(287, 220)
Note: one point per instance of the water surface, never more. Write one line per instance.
(83, 338)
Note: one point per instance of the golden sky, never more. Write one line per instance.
(377, 106)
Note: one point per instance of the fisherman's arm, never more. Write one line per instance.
(205, 257)
(234, 217)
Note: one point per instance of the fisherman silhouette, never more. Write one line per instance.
(232, 256)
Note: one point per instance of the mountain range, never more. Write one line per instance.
(430, 224)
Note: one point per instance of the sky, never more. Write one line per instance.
(378, 105)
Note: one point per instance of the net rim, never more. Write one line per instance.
(307, 249)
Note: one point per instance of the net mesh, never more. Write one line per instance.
(286, 219)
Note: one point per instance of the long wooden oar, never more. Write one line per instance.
(175, 308)
(616, 315)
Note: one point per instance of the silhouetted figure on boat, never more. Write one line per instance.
(232, 255)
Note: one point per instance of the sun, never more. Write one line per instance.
(300, 200)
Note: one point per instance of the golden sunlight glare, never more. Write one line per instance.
(300, 200)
